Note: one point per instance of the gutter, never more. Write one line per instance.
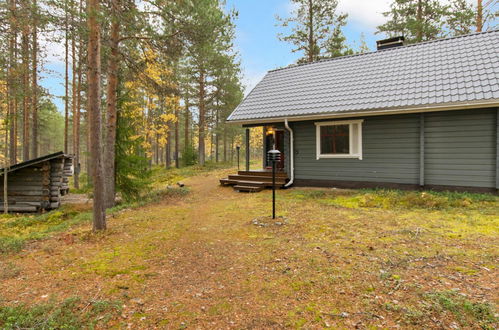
(292, 154)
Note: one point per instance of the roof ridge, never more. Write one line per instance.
(384, 50)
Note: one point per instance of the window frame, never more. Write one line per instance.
(350, 123)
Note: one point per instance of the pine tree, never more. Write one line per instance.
(315, 29)
(417, 20)
(94, 113)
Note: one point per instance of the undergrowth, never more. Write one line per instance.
(398, 199)
(72, 313)
(17, 230)
(466, 312)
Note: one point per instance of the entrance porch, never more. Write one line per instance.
(254, 181)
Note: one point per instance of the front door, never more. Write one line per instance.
(276, 140)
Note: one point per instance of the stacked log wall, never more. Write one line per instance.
(37, 187)
(27, 189)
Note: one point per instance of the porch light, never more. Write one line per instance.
(270, 130)
(273, 156)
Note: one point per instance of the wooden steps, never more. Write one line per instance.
(242, 188)
(254, 181)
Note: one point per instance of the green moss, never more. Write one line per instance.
(72, 313)
(467, 312)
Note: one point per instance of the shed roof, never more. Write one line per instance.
(34, 161)
(453, 72)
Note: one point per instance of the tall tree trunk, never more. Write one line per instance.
(168, 158)
(75, 99)
(419, 19)
(479, 16)
(74, 79)
(216, 134)
(311, 45)
(66, 79)
(6, 168)
(112, 91)
(225, 144)
(12, 82)
(202, 117)
(34, 83)
(177, 165)
(77, 165)
(25, 79)
(94, 76)
(186, 128)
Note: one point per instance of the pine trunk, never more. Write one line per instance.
(12, 85)
(202, 117)
(419, 19)
(168, 158)
(177, 165)
(225, 144)
(25, 80)
(186, 128)
(311, 46)
(94, 76)
(216, 136)
(112, 91)
(479, 16)
(66, 81)
(34, 83)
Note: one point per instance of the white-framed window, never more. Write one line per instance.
(339, 139)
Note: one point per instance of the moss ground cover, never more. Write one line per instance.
(367, 259)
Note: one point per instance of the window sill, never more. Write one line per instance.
(340, 156)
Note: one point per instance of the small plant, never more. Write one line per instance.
(8, 270)
(466, 312)
(189, 156)
(72, 313)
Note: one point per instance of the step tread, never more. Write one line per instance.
(249, 188)
(251, 177)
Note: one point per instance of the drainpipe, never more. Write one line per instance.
(292, 154)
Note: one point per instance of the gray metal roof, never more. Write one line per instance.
(453, 71)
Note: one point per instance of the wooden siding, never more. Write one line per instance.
(390, 152)
(459, 150)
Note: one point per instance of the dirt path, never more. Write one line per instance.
(199, 262)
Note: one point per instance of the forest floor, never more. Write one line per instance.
(340, 258)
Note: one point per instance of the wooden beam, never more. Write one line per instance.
(264, 151)
(421, 148)
(247, 149)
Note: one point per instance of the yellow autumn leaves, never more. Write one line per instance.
(151, 103)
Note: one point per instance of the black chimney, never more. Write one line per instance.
(390, 43)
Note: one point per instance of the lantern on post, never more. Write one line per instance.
(273, 156)
(238, 148)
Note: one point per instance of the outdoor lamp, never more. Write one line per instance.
(273, 156)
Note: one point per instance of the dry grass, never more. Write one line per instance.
(363, 259)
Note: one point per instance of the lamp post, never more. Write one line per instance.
(238, 148)
(273, 156)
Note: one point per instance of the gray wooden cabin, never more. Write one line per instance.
(419, 116)
(38, 184)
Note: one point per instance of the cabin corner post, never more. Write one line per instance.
(421, 149)
(247, 149)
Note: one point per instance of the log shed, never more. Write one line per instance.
(37, 184)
